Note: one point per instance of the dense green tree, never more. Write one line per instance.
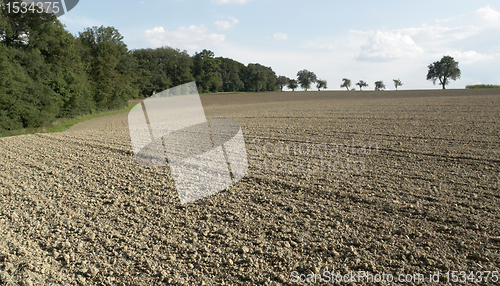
(270, 79)
(346, 83)
(230, 71)
(282, 81)
(40, 54)
(361, 84)
(206, 71)
(379, 85)
(321, 84)
(293, 84)
(397, 82)
(151, 72)
(162, 68)
(305, 78)
(257, 77)
(443, 70)
(16, 108)
(110, 66)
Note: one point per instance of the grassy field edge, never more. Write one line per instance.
(61, 125)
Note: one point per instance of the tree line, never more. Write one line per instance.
(46, 73)
(304, 77)
(379, 85)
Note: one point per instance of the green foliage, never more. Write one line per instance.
(62, 124)
(41, 78)
(379, 85)
(321, 84)
(482, 86)
(397, 82)
(361, 84)
(110, 66)
(346, 83)
(257, 77)
(282, 81)
(443, 70)
(305, 78)
(231, 72)
(293, 84)
(206, 71)
(161, 68)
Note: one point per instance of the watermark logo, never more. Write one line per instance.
(205, 157)
(58, 7)
(309, 157)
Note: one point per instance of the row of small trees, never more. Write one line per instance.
(304, 77)
(379, 85)
(442, 71)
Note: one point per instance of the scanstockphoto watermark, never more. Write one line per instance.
(310, 157)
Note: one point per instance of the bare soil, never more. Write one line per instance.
(402, 182)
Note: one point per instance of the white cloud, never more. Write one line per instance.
(280, 36)
(459, 34)
(231, 1)
(482, 16)
(470, 57)
(388, 45)
(487, 16)
(191, 38)
(226, 25)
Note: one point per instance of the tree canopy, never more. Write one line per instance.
(305, 78)
(321, 84)
(110, 66)
(282, 81)
(42, 77)
(379, 85)
(443, 70)
(361, 84)
(293, 84)
(346, 83)
(397, 82)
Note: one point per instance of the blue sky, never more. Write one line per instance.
(368, 40)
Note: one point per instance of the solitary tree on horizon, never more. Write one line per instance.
(444, 70)
(397, 82)
(292, 84)
(361, 84)
(305, 78)
(321, 84)
(346, 83)
(379, 85)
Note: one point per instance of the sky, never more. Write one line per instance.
(366, 40)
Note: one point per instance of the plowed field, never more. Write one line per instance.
(385, 183)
